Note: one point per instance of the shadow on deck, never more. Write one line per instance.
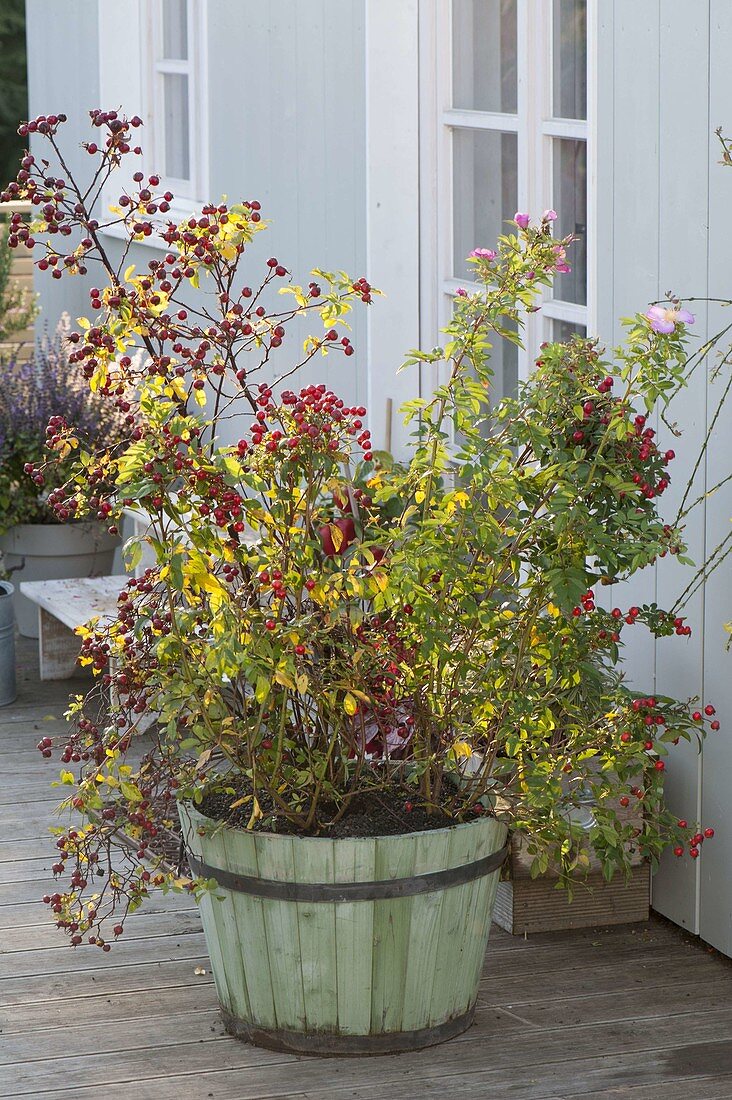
(642, 1012)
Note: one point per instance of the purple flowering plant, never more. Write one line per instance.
(45, 389)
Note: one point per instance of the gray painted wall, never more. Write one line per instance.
(63, 76)
(665, 84)
(286, 126)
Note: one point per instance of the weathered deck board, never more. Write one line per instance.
(630, 1013)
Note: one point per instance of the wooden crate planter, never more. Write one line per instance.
(358, 946)
(527, 905)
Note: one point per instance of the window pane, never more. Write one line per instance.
(570, 202)
(570, 58)
(485, 190)
(175, 99)
(562, 331)
(484, 55)
(175, 29)
(504, 364)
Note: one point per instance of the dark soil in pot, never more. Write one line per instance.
(384, 812)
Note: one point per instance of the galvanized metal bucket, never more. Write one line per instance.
(7, 644)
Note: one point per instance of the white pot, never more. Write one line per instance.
(53, 551)
(7, 644)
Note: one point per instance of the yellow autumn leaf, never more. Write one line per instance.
(552, 610)
(461, 749)
(256, 814)
(302, 682)
(349, 704)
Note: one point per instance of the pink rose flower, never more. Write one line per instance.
(665, 320)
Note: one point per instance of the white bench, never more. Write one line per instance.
(62, 607)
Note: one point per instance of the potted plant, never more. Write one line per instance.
(38, 543)
(7, 643)
(355, 705)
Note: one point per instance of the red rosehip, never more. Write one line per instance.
(709, 833)
(714, 725)
(408, 807)
(678, 850)
(624, 801)
(270, 624)
(625, 737)
(697, 716)
(709, 710)
(682, 824)
(694, 853)
(659, 766)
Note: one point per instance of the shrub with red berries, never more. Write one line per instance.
(320, 621)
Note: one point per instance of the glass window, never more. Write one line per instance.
(570, 58)
(562, 331)
(570, 201)
(485, 189)
(175, 30)
(176, 127)
(484, 55)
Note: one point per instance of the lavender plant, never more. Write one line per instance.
(47, 389)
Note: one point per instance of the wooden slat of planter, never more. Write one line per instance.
(431, 851)
(354, 928)
(392, 920)
(219, 916)
(275, 859)
(463, 845)
(479, 909)
(249, 928)
(314, 862)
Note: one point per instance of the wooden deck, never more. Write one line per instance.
(639, 1012)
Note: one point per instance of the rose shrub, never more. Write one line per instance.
(323, 625)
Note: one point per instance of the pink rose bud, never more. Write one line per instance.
(522, 220)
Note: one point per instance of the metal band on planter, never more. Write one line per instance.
(334, 1044)
(349, 891)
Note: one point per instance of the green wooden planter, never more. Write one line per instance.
(363, 946)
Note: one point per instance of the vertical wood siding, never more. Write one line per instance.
(664, 85)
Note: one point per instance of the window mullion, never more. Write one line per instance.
(480, 120)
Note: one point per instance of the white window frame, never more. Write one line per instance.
(192, 192)
(534, 128)
(132, 79)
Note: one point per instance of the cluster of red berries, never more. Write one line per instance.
(695, 842)
(315, 420)
(59, 212)
(84, 743)
(363, 288)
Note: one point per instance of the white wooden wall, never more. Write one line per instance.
(663, 200)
